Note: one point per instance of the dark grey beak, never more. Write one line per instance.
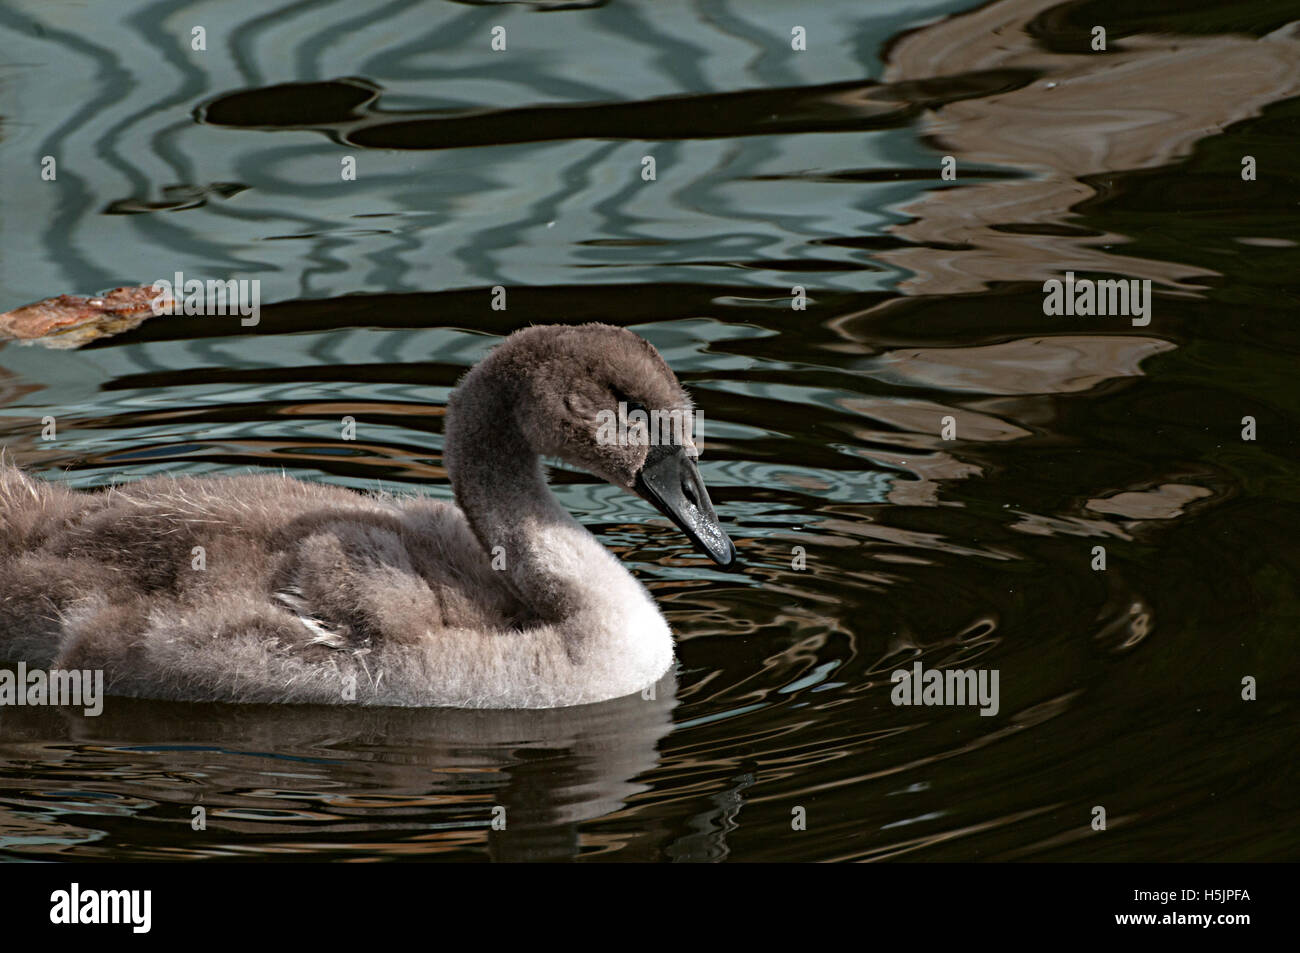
(671, 481)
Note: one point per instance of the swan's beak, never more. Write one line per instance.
(671, 481)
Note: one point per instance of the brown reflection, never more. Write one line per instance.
(14, 388)
(1162, 503)
(1136, 107)
(1040, 365)
(923, 418)
(1036, 524)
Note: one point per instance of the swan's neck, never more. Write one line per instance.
(552, 562)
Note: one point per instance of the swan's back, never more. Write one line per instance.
(183, 567)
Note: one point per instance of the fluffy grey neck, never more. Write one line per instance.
(552, 563)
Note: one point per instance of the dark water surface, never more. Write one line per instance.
(1119, 688)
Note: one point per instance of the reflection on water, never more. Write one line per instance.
(1119, 688)
(288, 781)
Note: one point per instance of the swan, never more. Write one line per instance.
(263, 588)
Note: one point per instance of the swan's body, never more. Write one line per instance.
(312, 593)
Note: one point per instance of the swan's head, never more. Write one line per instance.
(602, 398)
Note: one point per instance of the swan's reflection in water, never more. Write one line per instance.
(342, 783)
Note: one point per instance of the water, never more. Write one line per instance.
(1119, 689)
